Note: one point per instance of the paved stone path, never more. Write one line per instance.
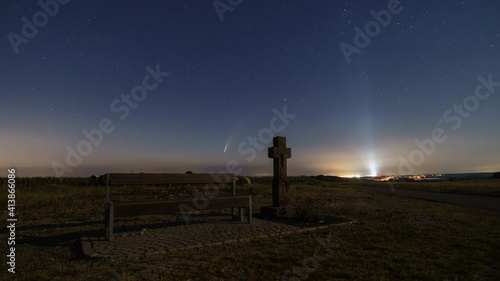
(146, 240)
(484, 202)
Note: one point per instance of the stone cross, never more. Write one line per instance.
(281, 187)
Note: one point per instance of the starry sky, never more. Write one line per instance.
(356, 87)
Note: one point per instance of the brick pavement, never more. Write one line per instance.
(157, 238)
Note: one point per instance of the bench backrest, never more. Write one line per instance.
(157, 178)
(144, 179)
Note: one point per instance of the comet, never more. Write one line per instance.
(227, 142)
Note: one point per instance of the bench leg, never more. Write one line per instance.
(109, 221)
(233, 193)
(241, 214)
(106, 215)
(250, 209)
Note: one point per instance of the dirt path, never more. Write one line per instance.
(484, 202)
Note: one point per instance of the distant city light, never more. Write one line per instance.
(351, 176)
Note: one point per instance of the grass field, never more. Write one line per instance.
(394, 238)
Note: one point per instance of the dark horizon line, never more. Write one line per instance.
(327, 175)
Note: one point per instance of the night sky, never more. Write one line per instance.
(90, 87)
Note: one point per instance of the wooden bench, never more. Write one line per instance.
(127, 209)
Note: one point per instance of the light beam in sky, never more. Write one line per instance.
(373, 168)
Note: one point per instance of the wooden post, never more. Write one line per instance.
(109, 220)
(106, 206)
(107, 190)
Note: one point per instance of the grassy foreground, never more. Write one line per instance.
(395, 238)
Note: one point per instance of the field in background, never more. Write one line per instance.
(482, 187)
(394, 238)
(54, 192)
